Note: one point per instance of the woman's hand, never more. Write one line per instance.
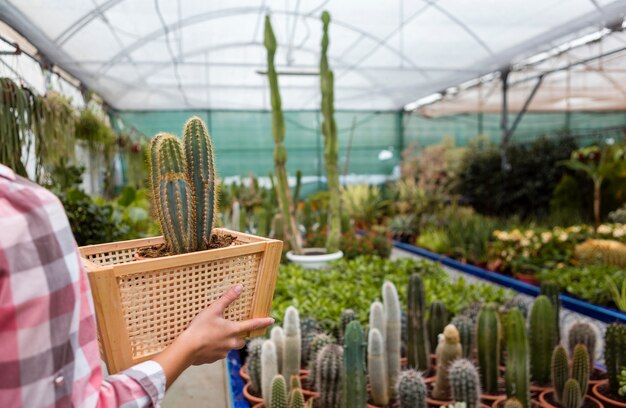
(208, 338)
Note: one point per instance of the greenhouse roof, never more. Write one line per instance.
(190, 54)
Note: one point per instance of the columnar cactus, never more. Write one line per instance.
(465, 383)
(542, 337)
(393, 342)
(418, 342)
(293, 342)
(279, 393)
(437, 321)
(448, 350)
(572, 397)
(411, 390)
(466, 332)
(615, 353)
(488, 341)
(560, 371)
(347, 315)
(277, 335)
(553, 292)
(377, 318)
(355, 383)
(269, 369)
(377, 368)
(290, 226)
(316, 345)
(329, 376)
(517, 376)
(583, 333)
(580, 367)
(309, 328)
(296, 399)
(253, 364)
(295, 382)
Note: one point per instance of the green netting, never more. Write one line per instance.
(244, 141)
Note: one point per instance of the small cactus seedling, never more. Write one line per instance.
(448, 350)
(393, 342)
(542, 338)
(296, 399)
(465, 383)
(583, 333)
(560, 371)
(418, 342)
(279, 392)
(377, 368)
(293, 342)
(411, 390)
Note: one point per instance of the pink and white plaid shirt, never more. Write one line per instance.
(48, 348)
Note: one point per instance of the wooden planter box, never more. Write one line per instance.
(142, 306)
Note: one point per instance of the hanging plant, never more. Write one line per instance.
(14, 125)
(91, 129)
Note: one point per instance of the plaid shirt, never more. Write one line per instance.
(48, 347)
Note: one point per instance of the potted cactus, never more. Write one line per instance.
(615, 357)
(193, 259)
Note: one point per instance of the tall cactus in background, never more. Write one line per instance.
(293, 343)
(269, 369)
(580, 367)
(615, 353)
(583, 333)
(280, 152)
(278, 337)
(553, 292)
(253, 365)
(448, 350)
(391, 306)
(411, 390)
(377, 318)
(329, 376)
(488, 341)
(418, 345)
(355, 383)
(542, 338)
(560, 371)
(465, 383)
(465, 327)
(437, 321)
(279, 392)
(331, 144)
(377, 368)
(517, 376)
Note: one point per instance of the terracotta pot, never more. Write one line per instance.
(243, 373)
(500, 403)
(497, 402)
(527, 278)
(437, 403)
(249, 396)
(259, 405)
(598, 372)
(490, 399)
(544, 401)
(538, 389)
(607, 401)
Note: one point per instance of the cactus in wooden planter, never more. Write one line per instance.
(553, 292)
(418, 342)
(448, 350)
(355, 383)
(542, 338)
(583, 333)
(269, 369)
(253, 365)
(465, 383)
(279, 392)
(411, 390)
(560, 371)
(615, 353)
(517, 376)
(488, 342)
(329, 376)
(293, 343)
(437, 321)
(377, 368)
(393, 343)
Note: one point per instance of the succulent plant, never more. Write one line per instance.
(542, 338)
(583, 333)
(418, 342)
(572, 397)
(411, 390)
(605, 251)
(316, 345)
(466, 332)
(329, 375)
(295, 382)
(517, 376)
(355, 382)
(253, 365)
(347, 315)
(488, 342)
(277, 335)
(580, 367)
(615, 353)
(377, 318)
(437, 320)
(269, 369)
(377, 368)
(279, 392)
(296, 399)
(465, 383)
(309, 328)
(553, 292)
(393, 344)
(560, 371)
(448, 350)
(293, 342)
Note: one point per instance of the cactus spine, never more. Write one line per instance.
(615, 353)
(572, 398)
(411, 390)
(253, 365)
(296, 399)
(279, 392)
(269, 369)
(542, 338)
(580, 367)
(377, 318)
(488, 339)
(418, 344)
(278, 337)
(331, 144)
(377, 368)
(583, 333)
(316, 345)
(280, 152)
(355, 383)
(293, 342)
(517, 376)
(560, 371)
(466, 332)
(329, 376)
(393, 343)
(465, 383)
(347, 315)
(553, 292)
(437, 321)
(448, 350)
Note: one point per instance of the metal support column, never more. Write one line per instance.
(504, 119)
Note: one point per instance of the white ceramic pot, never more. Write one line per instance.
(317, 261)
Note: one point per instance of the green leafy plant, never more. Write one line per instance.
(619, 296)
(91, 129)
(622, 382)
(364, 204)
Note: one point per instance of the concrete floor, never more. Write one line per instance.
(200, 386)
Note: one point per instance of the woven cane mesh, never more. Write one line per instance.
(113, 257)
